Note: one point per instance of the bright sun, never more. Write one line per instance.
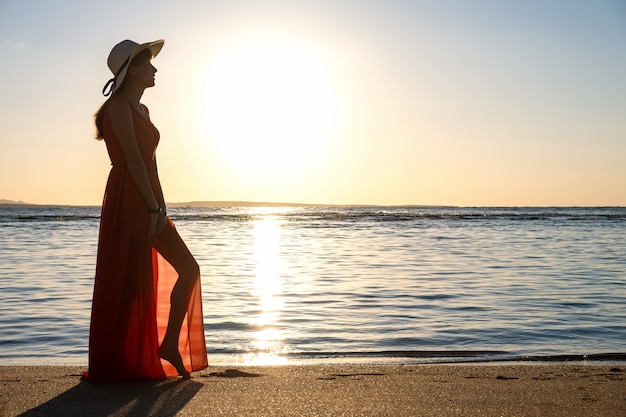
(270, 106)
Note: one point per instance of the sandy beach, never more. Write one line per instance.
(327, 390)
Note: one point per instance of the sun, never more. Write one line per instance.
(270, 106)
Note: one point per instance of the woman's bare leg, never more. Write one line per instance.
(172, 248)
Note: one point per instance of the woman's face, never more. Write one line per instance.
(143, 73)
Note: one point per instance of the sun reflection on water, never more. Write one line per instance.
(267, 343)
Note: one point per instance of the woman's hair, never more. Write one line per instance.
(140, 58)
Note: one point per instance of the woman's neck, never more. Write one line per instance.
(131, 94)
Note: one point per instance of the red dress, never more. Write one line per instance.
(133, 280)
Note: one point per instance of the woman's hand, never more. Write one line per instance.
(157, 224)
(161, 223)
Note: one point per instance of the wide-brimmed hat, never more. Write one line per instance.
(120, 57)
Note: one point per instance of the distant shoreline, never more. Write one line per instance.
(218, 204)
(190, 204)
(44, 206)
(226, 204)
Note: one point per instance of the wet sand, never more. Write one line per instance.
(327, 390)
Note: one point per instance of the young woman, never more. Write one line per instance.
(146, 319)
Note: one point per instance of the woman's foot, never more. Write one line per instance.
(173, 357)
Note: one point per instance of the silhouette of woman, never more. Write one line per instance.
(146, 318)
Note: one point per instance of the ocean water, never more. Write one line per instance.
(285, 284)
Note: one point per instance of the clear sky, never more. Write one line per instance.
(340, 102)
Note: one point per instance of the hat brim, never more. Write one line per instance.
(154, 47)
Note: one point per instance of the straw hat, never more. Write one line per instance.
(120, 57)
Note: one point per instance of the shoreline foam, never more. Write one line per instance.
(374, 358)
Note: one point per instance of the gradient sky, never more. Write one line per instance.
(338, 102)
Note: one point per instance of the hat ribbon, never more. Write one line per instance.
(110, 85)
(111, 82)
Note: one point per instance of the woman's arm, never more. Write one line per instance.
(124, 129)
(159, 191)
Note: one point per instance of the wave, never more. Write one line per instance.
(432, 356)
(329, 214)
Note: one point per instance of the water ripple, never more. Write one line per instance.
(343, 281)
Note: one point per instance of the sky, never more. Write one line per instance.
(389, 102)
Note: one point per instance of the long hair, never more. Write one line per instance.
(141, 57)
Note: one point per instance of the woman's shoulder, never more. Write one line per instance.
(118, 103)
(121, 106)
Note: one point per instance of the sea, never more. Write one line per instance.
(319, 284)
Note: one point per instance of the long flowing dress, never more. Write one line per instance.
(135, 276)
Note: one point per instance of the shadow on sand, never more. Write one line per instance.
(150, 398)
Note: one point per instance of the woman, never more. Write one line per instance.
(147, 301)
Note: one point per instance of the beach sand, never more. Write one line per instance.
(327, 390)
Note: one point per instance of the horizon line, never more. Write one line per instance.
(4, 203)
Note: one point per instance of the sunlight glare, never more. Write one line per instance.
(268, 341)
